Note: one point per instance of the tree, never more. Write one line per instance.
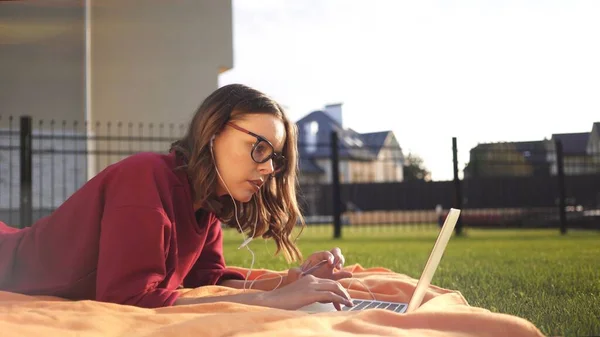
(414, 168)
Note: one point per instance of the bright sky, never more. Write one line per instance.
(428, 70)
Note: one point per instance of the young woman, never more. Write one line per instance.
(151, 223)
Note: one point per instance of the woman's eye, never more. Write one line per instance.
(261, 149)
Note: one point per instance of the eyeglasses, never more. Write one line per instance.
(263, 151)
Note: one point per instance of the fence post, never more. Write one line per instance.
(560, 165)
(457, 187)
(25, 206)
(335, 178)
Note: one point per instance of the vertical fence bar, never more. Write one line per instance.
(140, 137)
(161, 144)
(1, 171)
(10, 170)
(335, 176)
(457, 186)
(52, 169)
(151, 137)
(130, 138)
(561, 187)
(119, 154)
(64, 162)
(86, 150)
(40, 170)
(108, 139)
(75, 155)
(96, 153)
(26, 176)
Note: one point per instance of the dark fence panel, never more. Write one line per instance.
(64, 155)
(504, 185)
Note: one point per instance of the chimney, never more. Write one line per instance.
(335, 111)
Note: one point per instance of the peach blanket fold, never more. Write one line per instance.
(444, 312)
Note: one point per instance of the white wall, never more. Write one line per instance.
(152, 60)
(155, 60)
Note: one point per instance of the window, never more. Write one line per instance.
(311, 129)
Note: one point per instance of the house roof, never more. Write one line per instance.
(308, 165)
(351, 144)
(375, 140)
(535, 145)
(573, 143)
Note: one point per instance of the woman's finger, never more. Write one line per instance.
(325, 255)
(341, 275)
(338, 257)
(332, 286)
(327, 296)
(337, 306)
(317, 257)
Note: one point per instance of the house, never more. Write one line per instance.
(575, 157)
(581, 155)
(509, 159)
(581, 151)
(367, 157)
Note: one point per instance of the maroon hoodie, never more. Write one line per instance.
(129, 236)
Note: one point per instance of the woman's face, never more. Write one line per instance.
(240, 175)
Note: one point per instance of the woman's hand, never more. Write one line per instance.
(329, 270)
(322, 264)
(307, 290)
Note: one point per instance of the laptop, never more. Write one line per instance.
(422, 285)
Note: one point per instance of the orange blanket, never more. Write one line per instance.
(443, 313)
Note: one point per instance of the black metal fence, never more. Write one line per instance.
(505, 185)
(342, 182)
(43, 162)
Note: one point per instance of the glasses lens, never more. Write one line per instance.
(262, 152)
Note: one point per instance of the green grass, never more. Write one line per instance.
(551, 280)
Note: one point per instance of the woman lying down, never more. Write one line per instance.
(151, 223)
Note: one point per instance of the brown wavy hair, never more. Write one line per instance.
(274, 207)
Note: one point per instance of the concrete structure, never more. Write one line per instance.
(150, 62)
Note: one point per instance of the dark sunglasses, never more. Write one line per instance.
(263, 151)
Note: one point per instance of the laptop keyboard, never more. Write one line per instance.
(369, 304)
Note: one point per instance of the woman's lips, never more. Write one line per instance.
(256, 184)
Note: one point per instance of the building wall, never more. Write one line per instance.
(151, 60)
(155, 61)
(41, 61)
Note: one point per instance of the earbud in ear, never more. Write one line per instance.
(212, 140)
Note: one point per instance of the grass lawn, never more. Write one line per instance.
(551, 280)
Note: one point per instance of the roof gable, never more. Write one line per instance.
(573, 143)
(375, 140)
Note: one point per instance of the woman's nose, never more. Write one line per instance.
(266, 167)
